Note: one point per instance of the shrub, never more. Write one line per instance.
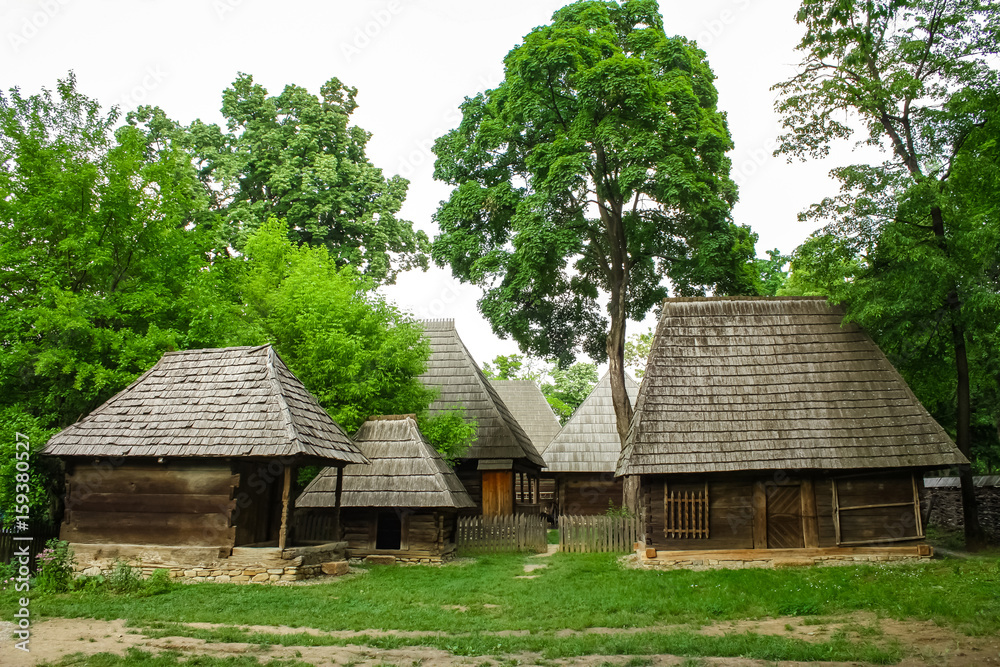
(124, 579)
(55, 567)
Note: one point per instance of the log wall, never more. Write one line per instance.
(875, 509)
(187, 503)
(424, 532)
(587, 494)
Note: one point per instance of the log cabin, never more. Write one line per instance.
(404, 504)
(770, 428)
(502, 457)
(581, 459)
(528, 405)
(192, 468)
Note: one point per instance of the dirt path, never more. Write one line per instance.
(929, 644)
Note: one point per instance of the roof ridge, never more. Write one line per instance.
(696, 299)
(286, 412)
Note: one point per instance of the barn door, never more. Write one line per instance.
(784, 517)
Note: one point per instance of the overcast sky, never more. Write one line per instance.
(413, 61)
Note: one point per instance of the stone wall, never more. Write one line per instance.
(239, 575)
(946, 509)
(673, 562)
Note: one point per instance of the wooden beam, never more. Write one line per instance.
(336, 504)
(836, 511)
(286, 502)
(810, 522)
(916, 505)
(759, 516)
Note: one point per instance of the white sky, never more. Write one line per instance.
(413, 62)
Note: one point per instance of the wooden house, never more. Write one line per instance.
(502, 457)
(528, 405)
(405, 504)
(767, 427)
(581, 459)
(194, 463)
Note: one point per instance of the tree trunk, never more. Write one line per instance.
(619, 397)
(975, 537)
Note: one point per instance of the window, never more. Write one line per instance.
(685, 511)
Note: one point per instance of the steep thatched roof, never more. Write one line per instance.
(452, 370)
(405, 471)
(589, 441)
(774, 384)
(528, 405)
(235, 401)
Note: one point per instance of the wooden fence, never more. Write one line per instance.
(486, 534)
(579, 534)
(314, 527)
(9, 546)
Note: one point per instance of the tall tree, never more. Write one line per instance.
(295, 156)
(105, 240)
(596, 170)
(915, 75)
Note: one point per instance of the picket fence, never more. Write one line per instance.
(9, 546)
(488, 534)
(581, 534)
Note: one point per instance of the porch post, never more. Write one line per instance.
(336, 503)
(286, 509)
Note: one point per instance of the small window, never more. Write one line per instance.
(685, 511)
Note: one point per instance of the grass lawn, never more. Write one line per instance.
(474, 600)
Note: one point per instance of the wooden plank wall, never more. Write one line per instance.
(588, 494)
(730, 520)
(425, 532)
(732, 515)
(468, 473)
(144, 502)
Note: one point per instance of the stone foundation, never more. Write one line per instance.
(777, 558)
(402, 560)
(243, 565)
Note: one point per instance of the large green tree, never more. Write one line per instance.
(296, 156)
(104, 235)
(918, 77)
(589, 182)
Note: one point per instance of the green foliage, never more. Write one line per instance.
(295, 156)
(569, 388)
(357, 353)
(618, 511)
(449, 431)
(910, 245)
(29, 483)
(637, 348)
(772, 272)
(599, 163)
(104, 251)
(513, 367)
(55, 567)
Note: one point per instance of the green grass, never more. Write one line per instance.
(139, 658)
(575, 591)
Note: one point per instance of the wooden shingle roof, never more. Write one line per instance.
(453, 371)
(227, 402)
(405, 471)
(774, 384)
(589, 441)
(528, 405)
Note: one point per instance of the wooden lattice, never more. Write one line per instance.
(685, 513)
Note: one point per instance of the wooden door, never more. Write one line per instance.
(784, 517)
(498, 493)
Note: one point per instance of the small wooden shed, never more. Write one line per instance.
(194, 463)
(405, 504)
(502, 457)
(582, 457)
(766, 427)
(528, 405)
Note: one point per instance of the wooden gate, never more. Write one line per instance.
(784, 517)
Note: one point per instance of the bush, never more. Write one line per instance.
(123, 578)
(8, 576)
(55, 567)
